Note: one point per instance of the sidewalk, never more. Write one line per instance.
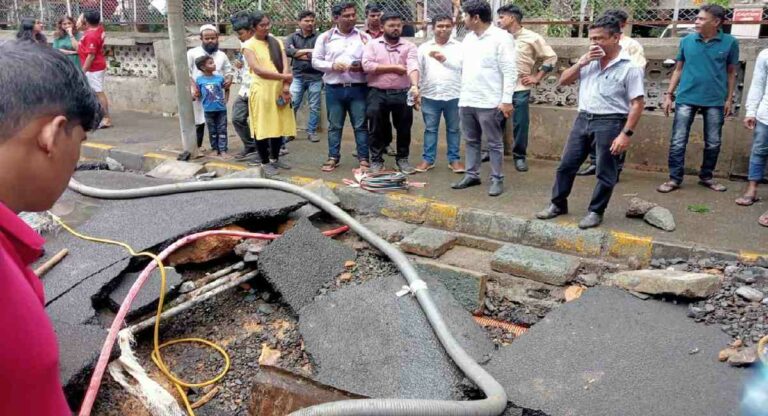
(725, 227)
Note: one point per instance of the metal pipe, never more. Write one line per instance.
(496, 398)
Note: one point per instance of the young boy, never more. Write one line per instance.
(214, 96)
(91, 52)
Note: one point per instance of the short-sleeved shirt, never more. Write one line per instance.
(93, 43)
(212, 92)
(609, 90)
(704, 81)
(65, 43)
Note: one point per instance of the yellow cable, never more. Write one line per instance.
(156, 356)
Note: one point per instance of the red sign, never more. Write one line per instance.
(747, 15)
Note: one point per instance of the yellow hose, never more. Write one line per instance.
(157, 358)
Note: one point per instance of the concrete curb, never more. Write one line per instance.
(553, 235)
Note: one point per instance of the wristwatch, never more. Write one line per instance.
(628, 132)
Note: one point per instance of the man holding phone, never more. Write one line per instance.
(611, 101)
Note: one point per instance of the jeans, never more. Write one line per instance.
(478, 124)
(313, 89)
(217, 129)
(339, 101)
(586, 130)
(757, 158)
(383, 105)
(240, 123)
(681, 129)
(521, 121)
(431, 110)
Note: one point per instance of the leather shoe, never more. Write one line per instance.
(521, 165)
(592, 220)
(588, 170)
(550, 212)
(466, 182)
(496, 188)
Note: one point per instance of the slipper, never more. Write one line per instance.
(763, 219)
(711, 184)
(364, 165)
(668, 187)
(330, 165)
(746, 201)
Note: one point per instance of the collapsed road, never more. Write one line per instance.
(605, 353)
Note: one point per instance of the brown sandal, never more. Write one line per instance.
(330, 165)
(746, 200)
(711, 184)
(668, 187)
(364, 165)
(763, 219)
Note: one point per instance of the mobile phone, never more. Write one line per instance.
(280, 101)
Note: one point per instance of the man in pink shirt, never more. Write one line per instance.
(393, 72)
(44, 116)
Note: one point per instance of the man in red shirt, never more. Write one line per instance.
(44, 116)
(91, 51)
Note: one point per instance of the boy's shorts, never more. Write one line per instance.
(96, 80)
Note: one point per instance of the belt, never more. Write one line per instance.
(347, 85)
(392, 91)
(609, 116)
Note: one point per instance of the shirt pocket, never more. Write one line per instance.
(610, 86)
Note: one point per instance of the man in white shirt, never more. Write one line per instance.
(209, 37)
(488, 80)
(440, 89)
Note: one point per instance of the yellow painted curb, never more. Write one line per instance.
(406, 208)
(624, 245)
(100, 146)
(224, 165)
(751, 256)
(158, 156)
(442, 215)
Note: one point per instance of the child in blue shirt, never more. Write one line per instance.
(214, 97)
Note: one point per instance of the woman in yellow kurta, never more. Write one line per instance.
(269, 103)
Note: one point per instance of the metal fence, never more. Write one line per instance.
(556, 18)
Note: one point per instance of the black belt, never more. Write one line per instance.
(609, 116)
(348, 85)
(392, 91)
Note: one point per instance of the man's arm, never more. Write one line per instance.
(669, 95)
(290, 50)
(371, 66)
(635, 94)
(573, 73)
(412, 66)
(507, 58)
(319, 61)
(227, 71)
(547, 55)
(733, 62)
(756, 90)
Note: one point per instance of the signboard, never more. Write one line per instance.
(750, 14)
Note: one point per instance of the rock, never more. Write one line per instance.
(114, 165)
(696, 312)
(266, 309)
(428, 242)
(706, 263)
(730, 270)
(639, 207)
(176, 170)
(589, 279)
(390, 230)
(187, 287)
(633, 263)
(251, 245)
(658, 263)
(660, 217)
(709, 308)
(743, 358)
(657, 282)
(749, 293)
(726, 353)
(206, 249)
(320, 188)
(345, 277)
(250, 257)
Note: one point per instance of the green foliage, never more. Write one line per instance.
(699, 208)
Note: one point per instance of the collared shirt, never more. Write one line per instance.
(223, 66)
(634, 49)
(531, 47)
(757, 100)
(439, 82)
(380, 52)
(302, 68)
(29, 355)
(609, 90)
(704, 81)
(374, 35)
(488, 69)
(332, 47)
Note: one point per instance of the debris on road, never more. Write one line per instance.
(672, 282)
(660, 217)
(574, 292)
(639, 207)
(41, 270)
(206, 249)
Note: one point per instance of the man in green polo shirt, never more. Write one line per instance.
(706, 73)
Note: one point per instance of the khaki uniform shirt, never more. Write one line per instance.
(531, 47)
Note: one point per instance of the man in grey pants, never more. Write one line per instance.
(488, 80)
(242, 24)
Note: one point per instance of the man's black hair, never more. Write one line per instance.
(609, 23)
(92, 17)
(373, 8)
(441, 18)
(619, 14)
(479, 8)
(242, 20)
(717, 11)
(201, 60)
(390, 16)
(512, 10)
(307, 13)
(338, 8)
(37, 80)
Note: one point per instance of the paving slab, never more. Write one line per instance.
(390, 230)
(672, 282)
(176, 170)
(467, 286)
(366, 340)
(147, 298)
(535, 264)
(609, 353)
(301, 261)
(79, 348)
(428, 242)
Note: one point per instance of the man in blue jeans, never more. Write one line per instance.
(339, 53)
(706, 73)
(299, 46)
(440, 90)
